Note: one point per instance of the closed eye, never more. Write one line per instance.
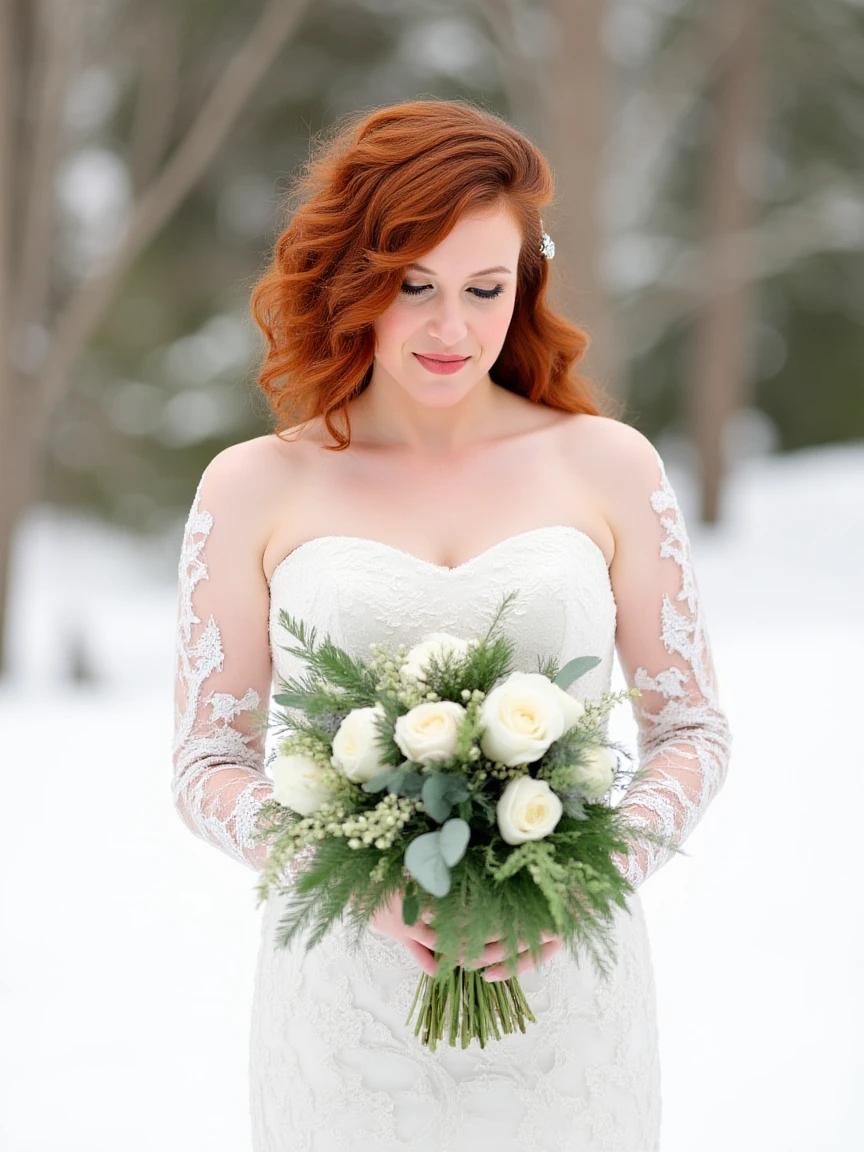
(481, 293)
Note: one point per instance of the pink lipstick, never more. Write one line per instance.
(442, 365)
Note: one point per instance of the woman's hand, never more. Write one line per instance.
(493, 953)
(419, 939)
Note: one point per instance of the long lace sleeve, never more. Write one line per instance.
(223, 669)
(683, 735)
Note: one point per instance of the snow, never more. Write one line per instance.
(128, 946)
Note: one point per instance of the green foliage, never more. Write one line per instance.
(575, 668)
(425, 861)
(484, 664)
(441, 791)
(330, 663)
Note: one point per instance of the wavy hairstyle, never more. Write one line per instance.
(377, 193)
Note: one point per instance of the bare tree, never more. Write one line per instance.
(718, 371)
(44, 326)
(575, 114)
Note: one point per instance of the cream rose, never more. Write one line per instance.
(522, 716)
(355, 745)
(439, 643)
(572, 708)
(594, 778)
(428, 731)
(298, 783)
(528, 809)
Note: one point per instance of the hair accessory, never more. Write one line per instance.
(547, 246)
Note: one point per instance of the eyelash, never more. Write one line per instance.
(482, 293)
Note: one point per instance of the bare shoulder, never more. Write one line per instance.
(257, 466)
(620, 462)
(244, 486)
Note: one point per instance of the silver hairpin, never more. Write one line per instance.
(547, 246)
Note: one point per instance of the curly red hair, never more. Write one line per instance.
(380, 192)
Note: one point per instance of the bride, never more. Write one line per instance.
(433, 448)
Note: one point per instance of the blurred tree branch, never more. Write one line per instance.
(203, 139)
(40, 45)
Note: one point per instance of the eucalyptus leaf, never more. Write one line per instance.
(381, 781)
(412, 785)
(435, 797)
(441, 791)
(424, 861)
(455, 835)
(575, 668)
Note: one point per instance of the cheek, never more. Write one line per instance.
(393, 328)
(493, 331)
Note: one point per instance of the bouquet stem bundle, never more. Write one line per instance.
(468, 1007)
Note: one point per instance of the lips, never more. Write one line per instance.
(441, 365)
(440, 357)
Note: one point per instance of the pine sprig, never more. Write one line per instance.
(330, 662)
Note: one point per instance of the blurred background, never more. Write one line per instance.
(709, 230)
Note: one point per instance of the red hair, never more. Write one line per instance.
(381, 192)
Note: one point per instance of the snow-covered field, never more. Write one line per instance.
(128, 946)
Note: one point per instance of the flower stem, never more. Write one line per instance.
(469, 1006)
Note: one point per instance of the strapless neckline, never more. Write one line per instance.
(446, 569)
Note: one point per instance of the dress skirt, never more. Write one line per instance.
(333, 1064)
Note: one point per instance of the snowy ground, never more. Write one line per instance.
(128, 945)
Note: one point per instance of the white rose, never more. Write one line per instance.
(298, 783)
(522, 717)
(572, 708)
(355, 745)
(439, 643)
(428, 731)
(594, 778)
(527, 810)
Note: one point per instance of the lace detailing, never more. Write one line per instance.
(684, 738)
(218, 781)
(334, 1066)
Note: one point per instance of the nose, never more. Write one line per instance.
(447, 323)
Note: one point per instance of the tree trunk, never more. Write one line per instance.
(718, 362)
(38, 47)
(577, 123)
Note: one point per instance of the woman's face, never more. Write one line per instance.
(457, 301)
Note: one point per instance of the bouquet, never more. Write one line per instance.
(475, 791)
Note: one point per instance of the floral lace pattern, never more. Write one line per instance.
(218, 781)
(685, 742)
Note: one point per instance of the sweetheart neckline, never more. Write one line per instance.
(305, 544)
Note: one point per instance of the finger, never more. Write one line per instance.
(425, 936)
(422, 955)
(524, 962)
(491, 955)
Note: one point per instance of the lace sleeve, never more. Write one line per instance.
(223, 670)
(662, 642)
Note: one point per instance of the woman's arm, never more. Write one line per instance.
(223, 665)
(663, 648)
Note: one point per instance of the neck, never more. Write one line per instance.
(386, 415)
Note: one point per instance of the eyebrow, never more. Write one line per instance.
(484, 272)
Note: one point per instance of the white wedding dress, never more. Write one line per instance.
(333, 1064)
